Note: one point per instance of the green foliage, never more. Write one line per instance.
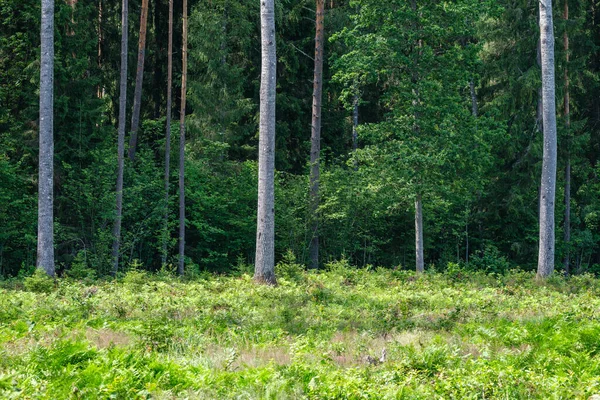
(288, 267)
(319, 336)
(39, 282)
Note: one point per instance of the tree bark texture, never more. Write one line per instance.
(168, 133)
(315, 138)
(548, 184)
(567, 110)
(181, 266)
(264, 270)
(420, 260)
(121, 137)
(139, 80)
(45, 239)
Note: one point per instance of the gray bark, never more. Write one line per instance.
(420, 261)
(181, 266)
(567, 106)
(121, 138)
(315, 139)
(264, 270)
(474, 108)
(168, 134)
(139, 80)
(45, 239)
(548, 183)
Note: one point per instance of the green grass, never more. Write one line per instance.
(459, 335)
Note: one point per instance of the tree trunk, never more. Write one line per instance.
(540, 104)
(139, 80)
(181, 266)
(474, 108)
(264, 270)
(419, 234)
(315, 139)
(548, 184)
(567, 106)
(168, 134)
(45, 239)
(121, 138)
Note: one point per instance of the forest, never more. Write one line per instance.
(435, 104)
(299, 199)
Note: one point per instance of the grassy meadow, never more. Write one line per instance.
(341, 334)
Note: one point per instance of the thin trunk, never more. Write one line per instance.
(548, 183)
(100, 90)
(315, 139)
(420, 261)
(474, 108)
(139, 79)
(567, 105)
(168, 134)
(45, 239)
(264, 271)
(121, 139)
(181, 266)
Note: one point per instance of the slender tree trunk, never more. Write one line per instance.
(168, 134)
(264, 270)
(45, 239)
(474, 108)
(139, 81)
(315, 139)
(548, 184)
(419, 234)
(121, 138)
(567, 106)
(355, 123)
(182, 144)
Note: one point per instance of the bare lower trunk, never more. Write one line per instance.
(139, 79)
(181, 266)
(168, 134)
(548, 183)
(567, 106)
(420, 261)
(264, 271)
(120, 139)
(45, 239)
(540, 104)
(315, 139)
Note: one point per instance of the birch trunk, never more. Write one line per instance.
(121, 138)
(139, 80)
(315, 139)
(264, 271)
(180, 268)
(168, 133)
(548, 183)
(567, 106)
(45, 239)
(420, 261)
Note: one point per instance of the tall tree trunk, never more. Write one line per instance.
(139, 80)
(181, 266)
(540, 105)
(315, 138)
(168, 134)
(567, 106)
(45, 239)
(548, 184)
(355, 128)
(264, 269)
(420, 260)
(121, 138)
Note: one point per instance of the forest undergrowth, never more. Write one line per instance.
(343, 333)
